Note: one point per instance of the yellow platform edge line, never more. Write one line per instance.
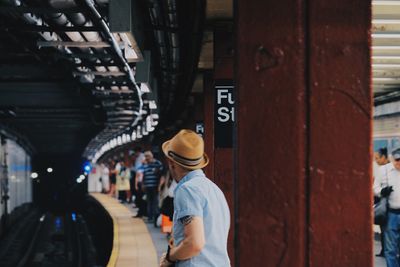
(115, 250)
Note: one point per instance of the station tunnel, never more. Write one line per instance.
(290, 98)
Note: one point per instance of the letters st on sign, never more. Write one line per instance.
(224, 113)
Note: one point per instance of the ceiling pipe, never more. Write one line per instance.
(62, 3)
(96, 14)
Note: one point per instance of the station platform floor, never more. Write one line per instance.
(136, 244)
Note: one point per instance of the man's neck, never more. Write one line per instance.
(181, 175)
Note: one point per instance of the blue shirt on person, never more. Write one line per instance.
(151, 173)
(196, 195)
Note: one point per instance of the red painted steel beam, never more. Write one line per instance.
(270, 158)
(302, 173)
(223, 157)
(340, 133)
(220, 169)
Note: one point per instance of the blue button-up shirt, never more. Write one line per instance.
(196, 195)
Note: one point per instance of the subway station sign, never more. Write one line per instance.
(224, 113)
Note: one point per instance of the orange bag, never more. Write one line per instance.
(166, 224)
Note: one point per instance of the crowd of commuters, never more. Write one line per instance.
(386, 174)
(140, 180)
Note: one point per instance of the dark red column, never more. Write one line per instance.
(270, 176)
(302, 158)
(340, 134)
(221, 166)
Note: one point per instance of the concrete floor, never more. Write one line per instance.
(159, 239)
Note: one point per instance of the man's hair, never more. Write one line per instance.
(148, 152)
(383, 152)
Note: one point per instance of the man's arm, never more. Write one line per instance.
(161, 183)
(193, 241)
(377, 186)
(138, 178)
(380, 181)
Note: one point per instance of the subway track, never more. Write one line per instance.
(54, 240)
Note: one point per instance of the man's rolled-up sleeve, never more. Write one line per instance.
(188, 202)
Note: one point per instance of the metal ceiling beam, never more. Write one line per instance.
(99, 73)
(386, 50)
(386, 66)
(385, 25)
(385, 9)
(37, 86)
(37, 28)
(98, 64)
(87, 56)
(73, 44)
(380, 73)
(380, 39)
(393, 59)
(386, 80)
(32, 71)
(39, 10)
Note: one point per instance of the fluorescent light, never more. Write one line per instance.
(34, 175)
(49, 170)
(123, 138)
(144, 131)
(152, 104)
(144, 87)
(139, 132)
(148, 124)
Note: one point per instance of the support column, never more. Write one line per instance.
(270, 155)
(221, 158)
(339, 191)
(302, 157)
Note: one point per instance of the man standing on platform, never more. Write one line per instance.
(389, 186)
(151, 171)
(201, 213)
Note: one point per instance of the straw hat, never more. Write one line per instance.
(186, 148)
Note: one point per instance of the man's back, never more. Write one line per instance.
(196, 195)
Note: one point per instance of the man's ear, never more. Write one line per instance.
(171, 164)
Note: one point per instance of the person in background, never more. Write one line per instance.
(123, 183)
(138, 158)
(113, 178)
(201, 214)
(166, 189)
(381, 156)
(387, 184)
(105, 180)
(150, 173)
(380, 159)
